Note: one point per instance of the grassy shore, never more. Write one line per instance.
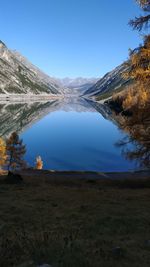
(66, 220)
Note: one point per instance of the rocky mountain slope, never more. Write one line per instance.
(112, 82)
(19, 76)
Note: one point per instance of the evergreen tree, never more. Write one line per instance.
(15, 152)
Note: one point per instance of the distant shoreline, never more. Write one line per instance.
(24, 97)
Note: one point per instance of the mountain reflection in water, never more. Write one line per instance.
(71, 134)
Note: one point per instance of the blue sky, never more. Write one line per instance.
(70, 37)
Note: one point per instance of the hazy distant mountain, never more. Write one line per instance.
(78, 83)
(111, 82)
(19, 76)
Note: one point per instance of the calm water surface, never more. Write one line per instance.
(68, 135)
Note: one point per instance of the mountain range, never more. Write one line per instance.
(18, 76)
(79, 83)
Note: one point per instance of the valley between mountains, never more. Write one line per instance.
(20, 78)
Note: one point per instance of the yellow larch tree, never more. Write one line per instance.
(139, 63)
(3, 155)
(39, 163)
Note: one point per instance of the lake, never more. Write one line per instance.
(69, 134)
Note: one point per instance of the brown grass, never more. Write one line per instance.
(75, 222)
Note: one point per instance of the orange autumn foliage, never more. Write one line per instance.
(3, 155)
(39, 163)
(138, 94)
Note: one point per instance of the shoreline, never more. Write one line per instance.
(25, 97)
(86, 175)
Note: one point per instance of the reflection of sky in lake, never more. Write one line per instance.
(67, 139)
